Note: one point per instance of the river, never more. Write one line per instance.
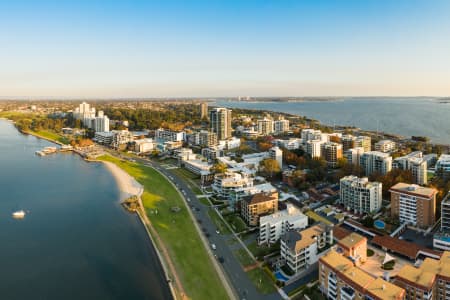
(403, 116)
(76, 241)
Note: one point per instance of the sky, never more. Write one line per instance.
(214, 48)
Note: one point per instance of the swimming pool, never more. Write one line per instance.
(280, 276)
(379, 224)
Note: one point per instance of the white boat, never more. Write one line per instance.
(18, 214)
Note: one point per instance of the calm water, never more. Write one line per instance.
(76, 242)
(408, 116)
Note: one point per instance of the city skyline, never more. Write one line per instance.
(224, 48)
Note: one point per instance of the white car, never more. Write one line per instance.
(213, 246)
(217, 231)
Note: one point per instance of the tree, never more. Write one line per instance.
(219, 167)
(270, 167)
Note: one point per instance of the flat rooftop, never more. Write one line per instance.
(413, 189)
(351, 240)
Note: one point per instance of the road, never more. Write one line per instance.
(243, 286)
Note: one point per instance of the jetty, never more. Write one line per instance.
(51, 150)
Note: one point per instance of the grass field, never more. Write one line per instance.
(236, 223)
(52, 136)
(218, 222)
(260, 251)
(243, 257)
(261, 280)
(177, 231)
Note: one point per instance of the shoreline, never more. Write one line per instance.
(127, 185)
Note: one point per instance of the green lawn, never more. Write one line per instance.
(177, 231)
(236, 223)
(243, 257)
(52, 136)
(190, 178)
(260, 251)
(261, 280)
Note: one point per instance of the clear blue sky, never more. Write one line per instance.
(224, 48)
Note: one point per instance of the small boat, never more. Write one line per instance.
(20, 214)
(40, 153)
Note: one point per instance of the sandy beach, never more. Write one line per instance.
(128, 186)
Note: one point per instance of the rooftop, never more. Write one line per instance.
(413, 189)
(385, 290)
(261, 197)
(290, 213)
(351, 240)
(402, 247)
(297, 240)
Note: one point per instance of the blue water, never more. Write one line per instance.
(379, 224)
(403, 116)
(76, 242)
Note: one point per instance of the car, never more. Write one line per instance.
(217, 231)
(213, 246)
(188, 200)
(221, 259)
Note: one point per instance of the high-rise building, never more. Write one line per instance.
(348, 142)
(220, 120)
(265, 126)
(413, 205)
(85, 113)
(281, 126)
(276, 154)
(353, 155)
(414, 162)
(443, 166)
(386, 146)
(441, 239)
(101, 122)
(332, 152)
(364, 141)
(204, 110)
(207, 138)
(311, 134)
(314, 148)
(374, 161)
(360, 195)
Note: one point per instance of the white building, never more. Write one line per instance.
(121, 137)
(311, 134)
(441, 239)
(85, 113)
(364, 141)
(226, 184)
(281, 126)
(220, 122)
(166, 135)
(276, 154)
(385, 146)
(360, 195)
(353, 155)
(375, 161)
(104, 138)
(443, 165)
(314, 148)
(265, 126)
(290, 144)
(232, 143)
(413, 161)
(272, 227)
(144, 145)
(301, 249)
(101, 122)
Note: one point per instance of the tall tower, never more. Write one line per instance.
(220, 120)
(203, 110)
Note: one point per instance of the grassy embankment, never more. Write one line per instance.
(177, 231)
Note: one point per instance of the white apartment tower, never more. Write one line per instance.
(265, 126)
(374, 161)
(360, 195)
(220, 122)
(276, 154)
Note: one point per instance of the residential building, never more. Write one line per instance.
(167, 135)
(431, 280)
(212, 153)
(281, 126)
(332, 152)
(232, 143)
(301, 249)
(265, 126)
(226, 184)
(443, 166)
(290, 144)
(220, 122)
(413, 204)
(255, 206)
(339, 279)
(353, 155)
(144, 145)
(348, 142)
(101, 122)
(314, 148)
(311, 134)
(120, 138)
(375, 162)
(204, 110)
(441, 239)
(275, 153)
(414, 162)
(85, 113)
(354, 247)
(386, 146)
(207, 139)
(360, 195)
(104, 138)
(273, 226)
(363, 141)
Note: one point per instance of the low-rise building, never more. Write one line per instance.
(300, 249)
(273, 226)
(255, 206)
(121, 138)
(144, 145)
(385, 146)
(226, 184)
(166, 135)
(354, 247)
(104, 138)
(413, 205)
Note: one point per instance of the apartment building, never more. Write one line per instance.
(300, 249)
(375, 162)
(431, 280)
(273, 226)
(353, 246)
(290, 144)
(311, 134)
(207, 138)
(360, 195)
(364, 141)
(339, 279)
(441, 239)
(386, 146)
(314, 148)
(121, 138)
(265, 126)
(281, 126)
(275, 153)
(443, 166)
(166, 135)
(220, 122)
(204, 110)
(332, 152)
(255, 206)
(413, 204)
(101, 122)
(348, 142)
(353, 155)
(226, 184)
(415, 162)
(144, 145)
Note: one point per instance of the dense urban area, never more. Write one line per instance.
(281, 206)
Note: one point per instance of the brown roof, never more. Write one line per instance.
(260, 197)
(413, 189)
(402, 247)
(340, 232)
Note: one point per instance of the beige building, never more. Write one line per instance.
(354, 246)
(413, 204)
(364, 141)
(332, 152)
(203, 110)
(339, 278)
(429, 281)
(255, 206)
